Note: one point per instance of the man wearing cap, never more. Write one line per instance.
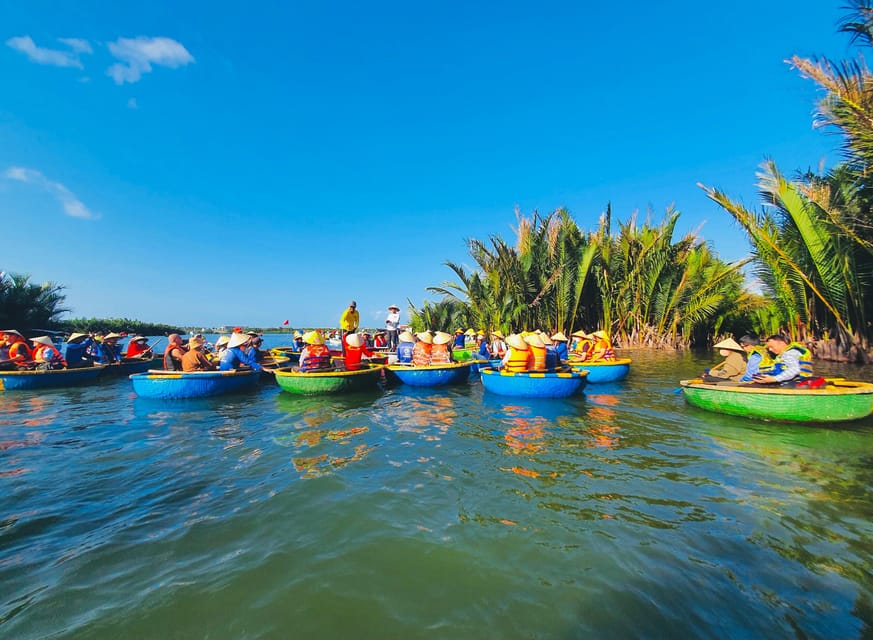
(392, 326)
(78, 352)
(459, 341)
(349, 320)
(498, 346)
(235, 354)
(46, 355)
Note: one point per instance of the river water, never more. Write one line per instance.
(418, 513)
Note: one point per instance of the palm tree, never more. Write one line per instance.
(25, 306)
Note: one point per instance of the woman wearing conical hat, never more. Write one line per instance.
(602, 349)
(583, 345)
(422, 349)
(315, 356)
(46, 355)
(439, 352)
(560, 341)
(733, 367)
(355, 350)
(235, 355)
(518, 357)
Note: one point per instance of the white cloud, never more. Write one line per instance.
(131, 104)
(72, 205)
(55, 57)
(137, 55)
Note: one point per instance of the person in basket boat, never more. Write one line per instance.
(583, 345)
(379, 340)
(19, 353)
(220, 346)
(138, 347)
(236, 356)
(439, 351)
(45, 355)
(108, 350)
(560, 341)
(195, 358)
(254, 346)
(732, 367)
(355, 350)
(757, 357)
(421, 350)
(792, 364)
(537, 351)
(482, 349)
(602, 349)
(518, 358)
(459, 341)
(405, 347)
(552, 359)
(78, 351)
(315, 355)
(498, 346)
(173, 353)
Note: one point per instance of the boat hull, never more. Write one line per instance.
(533, 385)
(177, 385)
(838, 401)
(328, 382)
(603, 371)
(435, 375)
(23, 380)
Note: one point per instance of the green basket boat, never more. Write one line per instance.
(316, 383)
(839, 400)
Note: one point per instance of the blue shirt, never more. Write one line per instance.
(76, 353)
(752, 366)
(404, 352)
(563, 353)
(234, 357)
(459, 341)
(483, 351)
(108, 353)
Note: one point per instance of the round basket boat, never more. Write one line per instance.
(177, 385)
(56, 378)
(323, 382)
(601, 371)
(533, 384)
(433, 375)
(839, 400)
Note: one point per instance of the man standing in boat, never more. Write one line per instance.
(392, 326)
(349, 321)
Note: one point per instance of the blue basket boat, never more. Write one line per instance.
(603, 370)
(14, 380)
(533, 384)
(433, 375)
(175, 385)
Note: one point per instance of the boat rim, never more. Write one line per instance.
(843, 387)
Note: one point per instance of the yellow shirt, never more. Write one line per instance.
(350, 319)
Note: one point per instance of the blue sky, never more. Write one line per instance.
(219, 163)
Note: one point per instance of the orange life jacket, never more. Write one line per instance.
(582, 349)
(50, 355)
(314, 357)
(172, 363)
(20, 351)
(539, 358)
(519, 360)
(421, 354)
(439, 354)
(602, 350)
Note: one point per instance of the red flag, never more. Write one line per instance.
(285, 323)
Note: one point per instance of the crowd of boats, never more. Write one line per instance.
(530, 365)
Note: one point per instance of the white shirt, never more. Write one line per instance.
(392, 322)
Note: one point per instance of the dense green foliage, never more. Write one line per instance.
(637, 282)
(91, 325)
(26, 306)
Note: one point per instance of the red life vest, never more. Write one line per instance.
(136, 348)
(539, 358)
(172, 363)
(519, 360)
(439, 354)
(421, 354)
(314, 357)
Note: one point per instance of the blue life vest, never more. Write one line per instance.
(805, 362)
(552, 360)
